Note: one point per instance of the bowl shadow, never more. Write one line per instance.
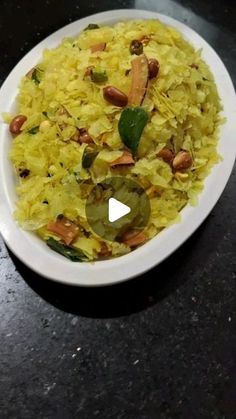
(121, 299)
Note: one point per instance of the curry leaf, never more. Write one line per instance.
(33, 130)
(36, 75)
(131, 126)
(75, 255)
(91, 26)
(88, 158)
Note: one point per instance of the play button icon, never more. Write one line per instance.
(115, 206)
(117, 210)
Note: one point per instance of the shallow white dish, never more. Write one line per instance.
(34, 252)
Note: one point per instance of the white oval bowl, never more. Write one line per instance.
(34, 252)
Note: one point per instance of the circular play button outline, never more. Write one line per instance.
(117, 205)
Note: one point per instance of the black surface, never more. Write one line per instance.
(161, 346)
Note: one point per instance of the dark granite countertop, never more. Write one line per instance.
(160, 346)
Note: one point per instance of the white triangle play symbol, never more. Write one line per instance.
(116, 210)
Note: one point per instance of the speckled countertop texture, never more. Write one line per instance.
(161, 346)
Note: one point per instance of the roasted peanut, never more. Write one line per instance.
(115, 96)
(183, 160)
(16, 124)
(133, 238)
(196, 66)
(124, 160)
(136, 47)
(166, 154)
(84, 136)
(104, 251)
(98, 47)
(88, 71)
(153, 68)
(63, 111)
(30, 73)
(145, 40)
(24, 173)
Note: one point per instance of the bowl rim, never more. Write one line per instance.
(34, 253)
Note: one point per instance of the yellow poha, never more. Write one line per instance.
(61, 101)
